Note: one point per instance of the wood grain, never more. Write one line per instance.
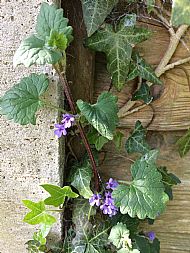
(171, 110)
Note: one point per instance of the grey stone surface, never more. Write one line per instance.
(29, 155)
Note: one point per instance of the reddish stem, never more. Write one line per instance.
(68, 94)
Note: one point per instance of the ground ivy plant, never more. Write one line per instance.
(105, 215)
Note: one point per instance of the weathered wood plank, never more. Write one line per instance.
(171, 110)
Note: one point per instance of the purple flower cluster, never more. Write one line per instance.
(106, 203)
(67, 122)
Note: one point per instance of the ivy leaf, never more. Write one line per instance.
(184, 144)
(81, 178)
(22, 101)
(38, 215)
(118, 45)
(169, 180)
(145, 246)
(33, 50)
(51, 18)
(180, 12)
(143, 93)
(102, 115)
(125, 250)
(35, 247)
(145, 196)
(96, 139)
(95, 12)
(58, 194)
(119, 236)
(136, 142)
(140, 68)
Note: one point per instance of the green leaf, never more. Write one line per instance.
(51, 18)
(145, 196)
(119, 236)
(41, 235)
(38, 215)
(102, 115)
(118, 44)
(81, 178)
(180, 12)
(140, 68)
(58, 194)
(35, 247)
(169, 180)
(117, 139)
(22, 101)
(33, 50)
(184, 144)
(145, 246)
(96, 139)
(136, 142)
(143, 93)
(52, 38)
(150, 5)
(95, 12)
(57, 40)
(128, 251)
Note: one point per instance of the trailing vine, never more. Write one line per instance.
(105, 215)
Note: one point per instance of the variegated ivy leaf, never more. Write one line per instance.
(180, 12)
(102, 115)
(58, 194)
(22, 101)
(95, 138)
(118, 44)
(52, 38)
(144, 196)
(125, 250)
(136, 142)
(184, 144)
(38, 214)
(140, 68)
(95, 12)
(143, 93)
(119, 236)
(81, 178)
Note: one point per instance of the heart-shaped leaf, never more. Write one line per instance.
(58, 194)
(143, 93)
(145, 196)
(22, 101)
(102, 115)
(118, 44)
(38, 215)
(95, 12)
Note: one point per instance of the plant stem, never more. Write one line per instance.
(68, 94)
(124, 182)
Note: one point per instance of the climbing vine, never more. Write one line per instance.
(105, 215)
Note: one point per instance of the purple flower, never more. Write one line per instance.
(95, 200)
(151, 235)
(60, 130)
(109, 209)
(111, 184)
(68, 120)
(108, 198)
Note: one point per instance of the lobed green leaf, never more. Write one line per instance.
(22, 101)
(145, 196)
(58, 194)
(143, 93)
(118, 45)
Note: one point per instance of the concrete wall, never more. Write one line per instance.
(29, 155)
